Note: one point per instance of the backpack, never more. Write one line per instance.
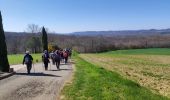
(27, 59)
(56, 57)
(45, 56)
(52, 55)
(65, 54)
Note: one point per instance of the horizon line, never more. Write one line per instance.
(96, 30)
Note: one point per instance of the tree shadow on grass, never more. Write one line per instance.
(37, 74)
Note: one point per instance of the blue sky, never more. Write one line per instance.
(63, 16)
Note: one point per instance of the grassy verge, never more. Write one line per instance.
(18, 58)
(148, 67)
(94, 83)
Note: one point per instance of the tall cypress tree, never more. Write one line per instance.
(4, 64)
(44, 39)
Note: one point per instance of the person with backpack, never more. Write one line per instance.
(52, 54)
(65, 55)
(28, 61)
(57, 57)
(70, 53)
(45, 59)
(61, 55)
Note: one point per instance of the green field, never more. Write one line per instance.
(120, 75)
(150, 51)
(18, 58)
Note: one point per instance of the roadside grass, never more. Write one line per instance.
(148, 67)
(92, 82)
(18, 58)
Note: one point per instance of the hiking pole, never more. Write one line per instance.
(43, 66)
(33, 67)
(50, 65)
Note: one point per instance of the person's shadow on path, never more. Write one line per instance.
(37, 74)
(61, 70)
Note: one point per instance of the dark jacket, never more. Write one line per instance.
(30, 58)
(45, 57)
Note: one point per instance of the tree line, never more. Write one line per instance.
(84, 44)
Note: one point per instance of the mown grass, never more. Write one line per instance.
(92, 82)
(18, 58)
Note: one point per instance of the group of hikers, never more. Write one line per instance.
(56, 56)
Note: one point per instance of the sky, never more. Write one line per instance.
(65, 16)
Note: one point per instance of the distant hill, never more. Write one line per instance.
(124, 32)
(105, 33)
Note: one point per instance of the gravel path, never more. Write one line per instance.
(39, 85)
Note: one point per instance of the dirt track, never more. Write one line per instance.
(40, 85)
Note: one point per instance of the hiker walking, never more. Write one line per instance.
(57, 57)
(61, 55)
(52, 57)
(28, 61)
(70, 53)
(65, 55)
(45, 59)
